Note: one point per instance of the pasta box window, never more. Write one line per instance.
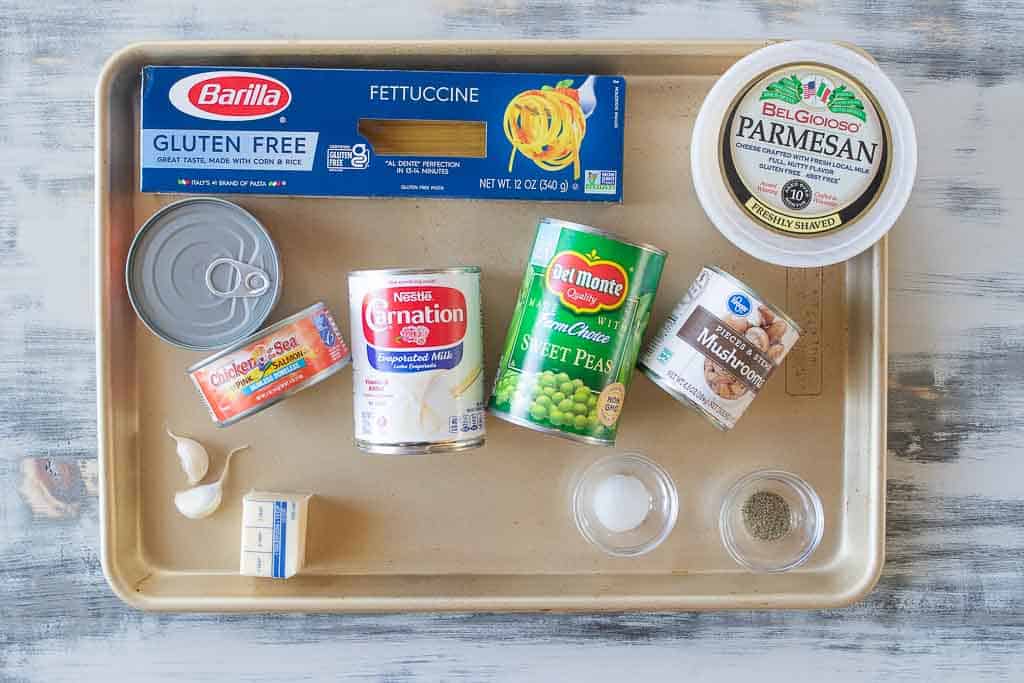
(382, 133)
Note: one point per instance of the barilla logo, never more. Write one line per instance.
(586, 283)
(412, 329)
(230, 96)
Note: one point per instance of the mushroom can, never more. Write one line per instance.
(271, 365)
(417, 336)
(719, 347)
(583, 305)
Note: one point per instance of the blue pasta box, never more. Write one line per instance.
(382, 133)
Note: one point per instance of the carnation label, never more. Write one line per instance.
(417, 360)
(719, 347)
(412, 329)
(805, 150)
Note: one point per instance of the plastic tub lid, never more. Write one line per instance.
(803, 154)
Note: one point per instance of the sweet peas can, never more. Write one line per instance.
(271, 365)
(583, 306)
(417, 338)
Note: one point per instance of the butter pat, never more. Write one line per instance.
(274, 533)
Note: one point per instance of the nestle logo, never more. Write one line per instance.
(230, 96)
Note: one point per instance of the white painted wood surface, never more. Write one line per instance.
(949, 606)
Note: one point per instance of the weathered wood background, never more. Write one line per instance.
(950, 603)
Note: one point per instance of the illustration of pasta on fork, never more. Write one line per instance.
(547, 125)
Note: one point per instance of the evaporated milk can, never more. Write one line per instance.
(417, 350)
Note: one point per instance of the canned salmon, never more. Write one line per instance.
(271, 365)
(719, 347)
(583, 306)
(417, 336)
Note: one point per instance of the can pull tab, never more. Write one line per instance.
(251, 281)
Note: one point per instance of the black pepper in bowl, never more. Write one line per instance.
(766, 516)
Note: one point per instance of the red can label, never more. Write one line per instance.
(401, 323)
(262, 369)
(585, 283)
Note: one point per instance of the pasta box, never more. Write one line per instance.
(382, 133)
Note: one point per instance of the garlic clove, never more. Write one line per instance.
(194, 459)
(202, 501)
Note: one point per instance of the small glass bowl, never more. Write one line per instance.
(806, 522)
(661, 517)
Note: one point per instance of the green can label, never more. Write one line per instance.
(582, 310)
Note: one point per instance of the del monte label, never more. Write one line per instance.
(586, 283)
(805, 150)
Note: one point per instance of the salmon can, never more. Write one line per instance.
(417, 338)
(271, 365)
(719, 347)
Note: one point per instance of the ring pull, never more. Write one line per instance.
(252, 281)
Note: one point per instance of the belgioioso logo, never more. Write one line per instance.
(230, 96)
(816, 91)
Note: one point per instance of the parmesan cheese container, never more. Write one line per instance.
(803, 154)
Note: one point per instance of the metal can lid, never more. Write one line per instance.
(603, 233)
(401, 272)
(203, 273)
(752, 292)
